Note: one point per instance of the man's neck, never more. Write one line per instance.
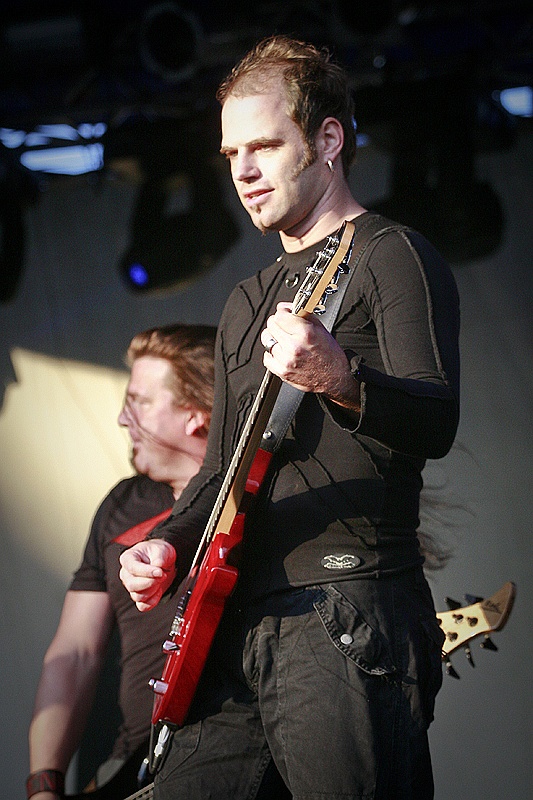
(188, 468)
(320, 225)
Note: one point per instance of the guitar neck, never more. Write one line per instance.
(234, 484)
(143, 794)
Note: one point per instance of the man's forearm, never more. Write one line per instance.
(62, 705)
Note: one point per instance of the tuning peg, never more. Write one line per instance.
(469, 657)
(488, 644)
(452, 603)
(450, 670)
(473, 598)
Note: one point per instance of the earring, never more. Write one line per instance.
(329, 162)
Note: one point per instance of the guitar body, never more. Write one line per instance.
(183, 666)
(213, 585)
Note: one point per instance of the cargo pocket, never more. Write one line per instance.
(352, 635)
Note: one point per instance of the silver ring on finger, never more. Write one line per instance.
(270, 344)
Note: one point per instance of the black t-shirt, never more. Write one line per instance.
(341, 498)
(128, 513)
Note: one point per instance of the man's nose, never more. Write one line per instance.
(124, 418)
(245, 167)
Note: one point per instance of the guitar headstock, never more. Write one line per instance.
(322, 275)
(463, 624)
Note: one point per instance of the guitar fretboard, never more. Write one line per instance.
(237, 458)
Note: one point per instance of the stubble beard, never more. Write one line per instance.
(258, 224)
(308, 158)
(256, 210)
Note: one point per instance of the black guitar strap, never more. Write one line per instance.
(289, 398)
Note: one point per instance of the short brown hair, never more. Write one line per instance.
(316, 87)
(189, 349)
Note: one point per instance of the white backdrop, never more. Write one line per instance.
(63, 338)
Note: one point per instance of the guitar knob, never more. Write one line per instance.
(158, 687)
(170, 647)
(488, 644)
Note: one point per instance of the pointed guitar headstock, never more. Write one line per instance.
(322, 275)
(463, 624)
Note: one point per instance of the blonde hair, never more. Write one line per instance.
(189, 349)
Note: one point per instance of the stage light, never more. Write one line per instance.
(432, 137)
(136, 274)
(171, 40)
(175, 251)
(463, 219)
(180, 226)
(58, 149)
(517, 100)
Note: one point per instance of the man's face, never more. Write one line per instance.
(267, 156)
(156, 425)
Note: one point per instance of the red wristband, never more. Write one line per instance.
(45, 780)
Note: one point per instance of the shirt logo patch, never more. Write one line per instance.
(340, 561)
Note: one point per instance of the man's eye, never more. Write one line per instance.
(137, 401)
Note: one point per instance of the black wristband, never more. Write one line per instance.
(45, 780)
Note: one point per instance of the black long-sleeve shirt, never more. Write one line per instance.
(341, 497)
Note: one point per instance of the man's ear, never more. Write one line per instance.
(330, 138)
(197, 423)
